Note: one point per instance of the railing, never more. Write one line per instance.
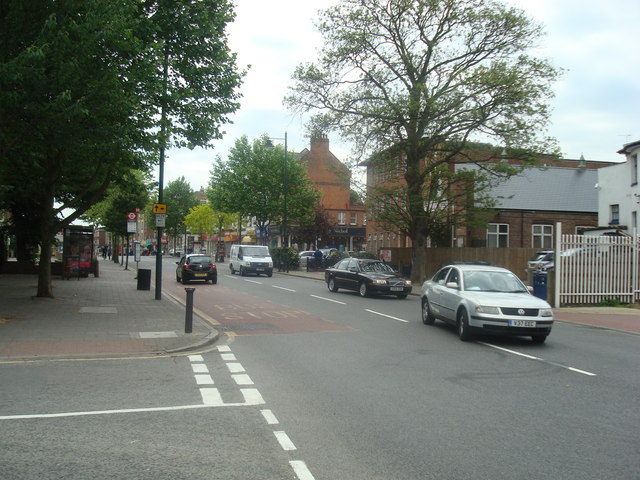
(595, 269)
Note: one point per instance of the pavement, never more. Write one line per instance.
(106, 316)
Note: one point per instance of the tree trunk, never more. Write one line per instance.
(419, 259)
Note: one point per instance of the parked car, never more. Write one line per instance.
(485, 299)
(305, 255)
(367, 276)
(542, 260)
(196, 267)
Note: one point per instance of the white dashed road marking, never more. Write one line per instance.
(385, 315)
(531, 357)
(328, 299)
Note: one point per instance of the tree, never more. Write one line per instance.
(421, 79)
(123, 196)
(71, 113)
(180, 199)
(315, 230)
(251, 182)
(198, 78)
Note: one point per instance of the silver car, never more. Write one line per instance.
(485, 299)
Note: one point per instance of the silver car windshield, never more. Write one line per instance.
(481, 281)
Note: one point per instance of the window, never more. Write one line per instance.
(364, 220)
(354, 218)
(542, 236)
(342, 218)
(498, 235)
(634, 169)
(615, 215)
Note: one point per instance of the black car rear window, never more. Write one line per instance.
(202, 260)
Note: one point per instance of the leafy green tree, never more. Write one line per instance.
(72, 117)
(123, 196)
(420, 80)
(251, 182)
(200, 220)
(198, 78)
(180, 199)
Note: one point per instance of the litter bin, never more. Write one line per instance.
(144, 279)
(540, 285)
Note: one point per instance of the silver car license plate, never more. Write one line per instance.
(522, 323)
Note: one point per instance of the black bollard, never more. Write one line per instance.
(188, 317)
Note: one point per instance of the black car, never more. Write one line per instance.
(196, 267)
(367, 276)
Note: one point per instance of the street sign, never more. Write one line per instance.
(160, 220)
(131, 216)
(159, 208)
(132, 226)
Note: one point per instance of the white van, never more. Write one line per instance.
(251, 259)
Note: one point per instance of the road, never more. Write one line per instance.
(310, 384)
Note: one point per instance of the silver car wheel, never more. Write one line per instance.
(427, 317)
(463, 326)
(363, 289)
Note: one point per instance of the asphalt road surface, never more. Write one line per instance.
(309, 384)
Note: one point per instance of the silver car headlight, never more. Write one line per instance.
(379, 282)
(407, 283)
(487, 310)
(546, 312)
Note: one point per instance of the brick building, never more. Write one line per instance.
(332, 179)
(528, 206)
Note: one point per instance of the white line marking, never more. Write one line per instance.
(328, 299)
(124, 410)
(232, 276)
(385, 315)
(204, 380)
(301, 470)
(235, 367)
(283, 288)
(253, 281)
(211, 396)
(284, 440)
(224, 348)
(228, 356)
(251, 397)
(531, 357)
(196, 358)
(199, 368)
(242, 379)
(269, 417)
(584, 372)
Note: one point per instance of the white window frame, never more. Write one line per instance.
(342, 218)
(354, 218)
(499, 236)
(614, 214)
(542, 236)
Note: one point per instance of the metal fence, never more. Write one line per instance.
(596, 269)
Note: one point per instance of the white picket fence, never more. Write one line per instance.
(594, 269)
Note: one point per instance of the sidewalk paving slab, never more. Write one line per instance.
(93, 316)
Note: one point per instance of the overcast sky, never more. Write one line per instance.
(595, 112)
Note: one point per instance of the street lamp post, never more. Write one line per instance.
(285, 179)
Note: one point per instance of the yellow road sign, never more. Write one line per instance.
(159, 208)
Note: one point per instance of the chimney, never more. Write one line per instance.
(319, 141)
